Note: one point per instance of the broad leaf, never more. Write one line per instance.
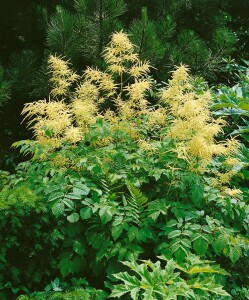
(200, 246)
(86, 213)
(58, 209)
(73, 218)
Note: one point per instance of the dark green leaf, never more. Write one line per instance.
(116, 232)
(200, 246)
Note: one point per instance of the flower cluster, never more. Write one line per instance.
(62, 76)
(193, 127)
(183, 114)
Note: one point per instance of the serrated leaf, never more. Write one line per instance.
(186, 243)
(134, 293)
(200, 246)
(86, 213)
(171, 223)
(204, 269)
(58, 209)
(73, 218)
(146, 233)
(208, 285)
(119, 290)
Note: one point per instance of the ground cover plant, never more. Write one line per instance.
(121, 198)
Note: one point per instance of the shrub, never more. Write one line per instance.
(125, 180)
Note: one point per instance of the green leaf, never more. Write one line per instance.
(49, 133)
(119, 290)
(52, 189)
(105, 215)
(174, 234)
(208, 285)
(132, 233)
(55, 196)
(73, 196)
(197, 195)
(86, 213)
(69, 203)
(180, 254)
(81, 189)
(58, 209)
(116, 232)
(219, 243)
(234, 253)
(200, 246)
(65, 266)
(78, 248)
(73, 218)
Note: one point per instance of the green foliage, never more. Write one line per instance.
(56, 293)
(125, 187)
(233, 103)
(60, 32)
(108, 211)
(4, 88)
(25, 234)
(145, 35)
(21, 71)
(151, 281)
(81, 36)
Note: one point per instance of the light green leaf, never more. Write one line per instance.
(81, 189)
(58, 209)
(118, 291)
(234, 253)
(174, 234)
(73, 218)
(55, 196)
(73, 196)
(69, 203)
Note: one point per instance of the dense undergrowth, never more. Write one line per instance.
(138, 201)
